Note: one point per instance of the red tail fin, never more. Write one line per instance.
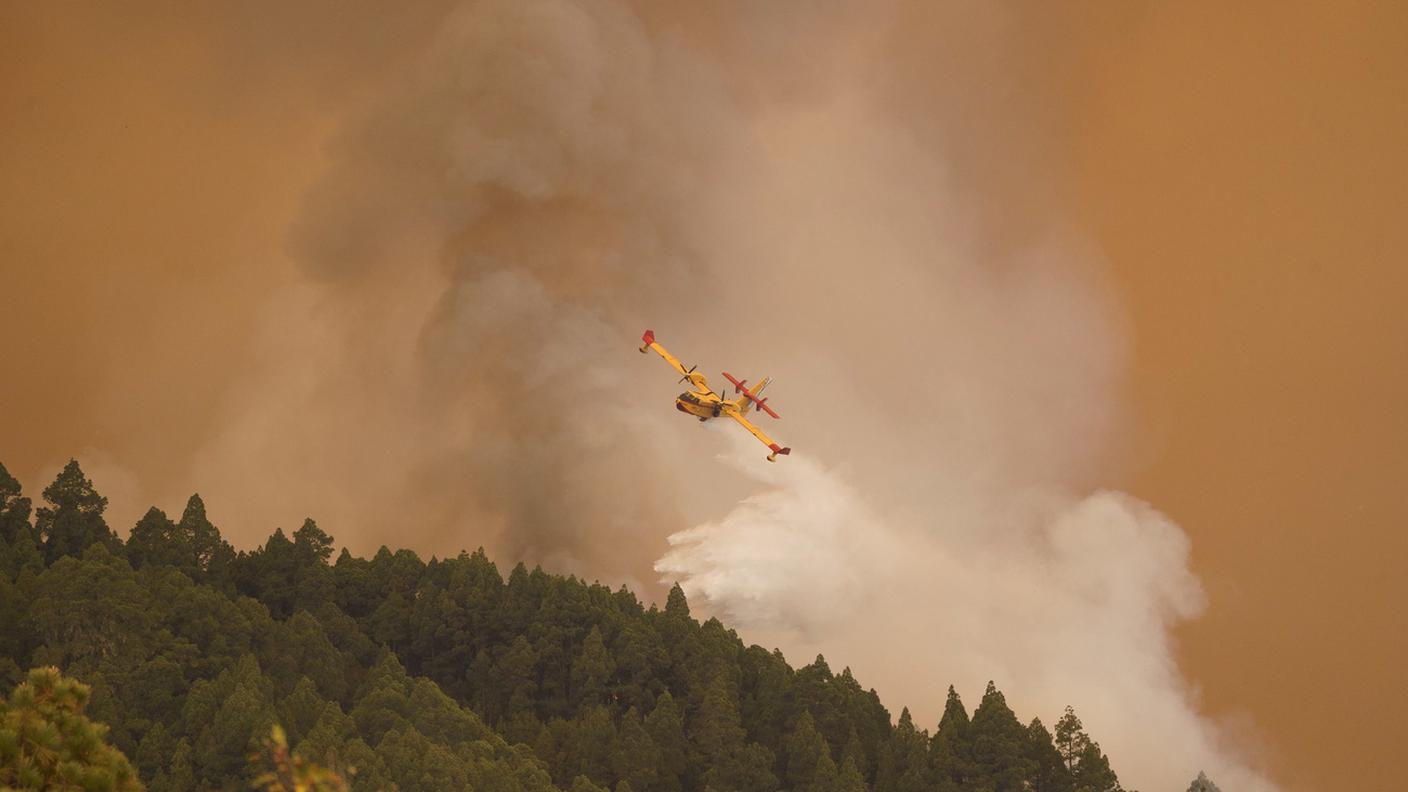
(741, 386)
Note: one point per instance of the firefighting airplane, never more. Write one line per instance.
(705, 404)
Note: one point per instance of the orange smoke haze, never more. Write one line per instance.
(385, 270)
(1243, 168)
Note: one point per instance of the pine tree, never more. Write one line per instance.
(999, 745)
(949, 751)
(595, 736)
(156, 541)
(826, 778)
(213, 555)
(665, 724)
(803, 751)
(635, 759)
(268, 574)
(330, 733)
(312, 545)
(47, 743)
(854, 752)
(744, 768)
(301, 710)
(850, 779)
(1093, 772)
(14, 508)
(1070, 739)
(390, 624)
(228, 716)
(15, 635)
(73, 520)
(418, 765)
(1048, 770)
(21, 554)
(732, 764)
(312, 577)
(517, 679)
(904, 761)
(18, 550)
(180, 773)
(676, 604)
(154, 751)
(90, 611)
(590, 672)
(717, 728)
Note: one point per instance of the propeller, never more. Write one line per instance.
(687, 373)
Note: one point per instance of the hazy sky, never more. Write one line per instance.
(323, 262)
(1242, 167)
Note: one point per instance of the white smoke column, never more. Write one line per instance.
(1074, 605)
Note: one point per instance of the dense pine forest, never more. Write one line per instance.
(398, 673)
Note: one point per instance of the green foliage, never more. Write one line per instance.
(213, 555)
(903, 765)
(417, 675)
(950, 752)
(1089, 768)
(850, 778)
(806, 752)
(192, 546)
(73, 520)
(18, 549)
(14, 508)
(665, 725)
(999, 746)
(635, 758)
(47, 743)
(1070, 739)
(1093, 773)
(591, 671)
(156, 541)
(89, 611)
(1048, 770)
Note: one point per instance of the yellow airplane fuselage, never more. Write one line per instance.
(701, 405)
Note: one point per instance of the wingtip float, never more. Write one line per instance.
(703, 403)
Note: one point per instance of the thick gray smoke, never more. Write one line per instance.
(545, 179)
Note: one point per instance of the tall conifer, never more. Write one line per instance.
(73, 520)
(949, 750)
(1000, 757)
(14, 507)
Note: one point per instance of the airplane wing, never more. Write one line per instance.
(758, 433)
(696, 378)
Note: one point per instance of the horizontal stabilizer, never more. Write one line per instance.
(741, 386)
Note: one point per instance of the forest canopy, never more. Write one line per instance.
(181, 656)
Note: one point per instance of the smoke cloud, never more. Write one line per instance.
(796, 190)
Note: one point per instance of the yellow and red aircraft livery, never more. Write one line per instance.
(704, 404)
